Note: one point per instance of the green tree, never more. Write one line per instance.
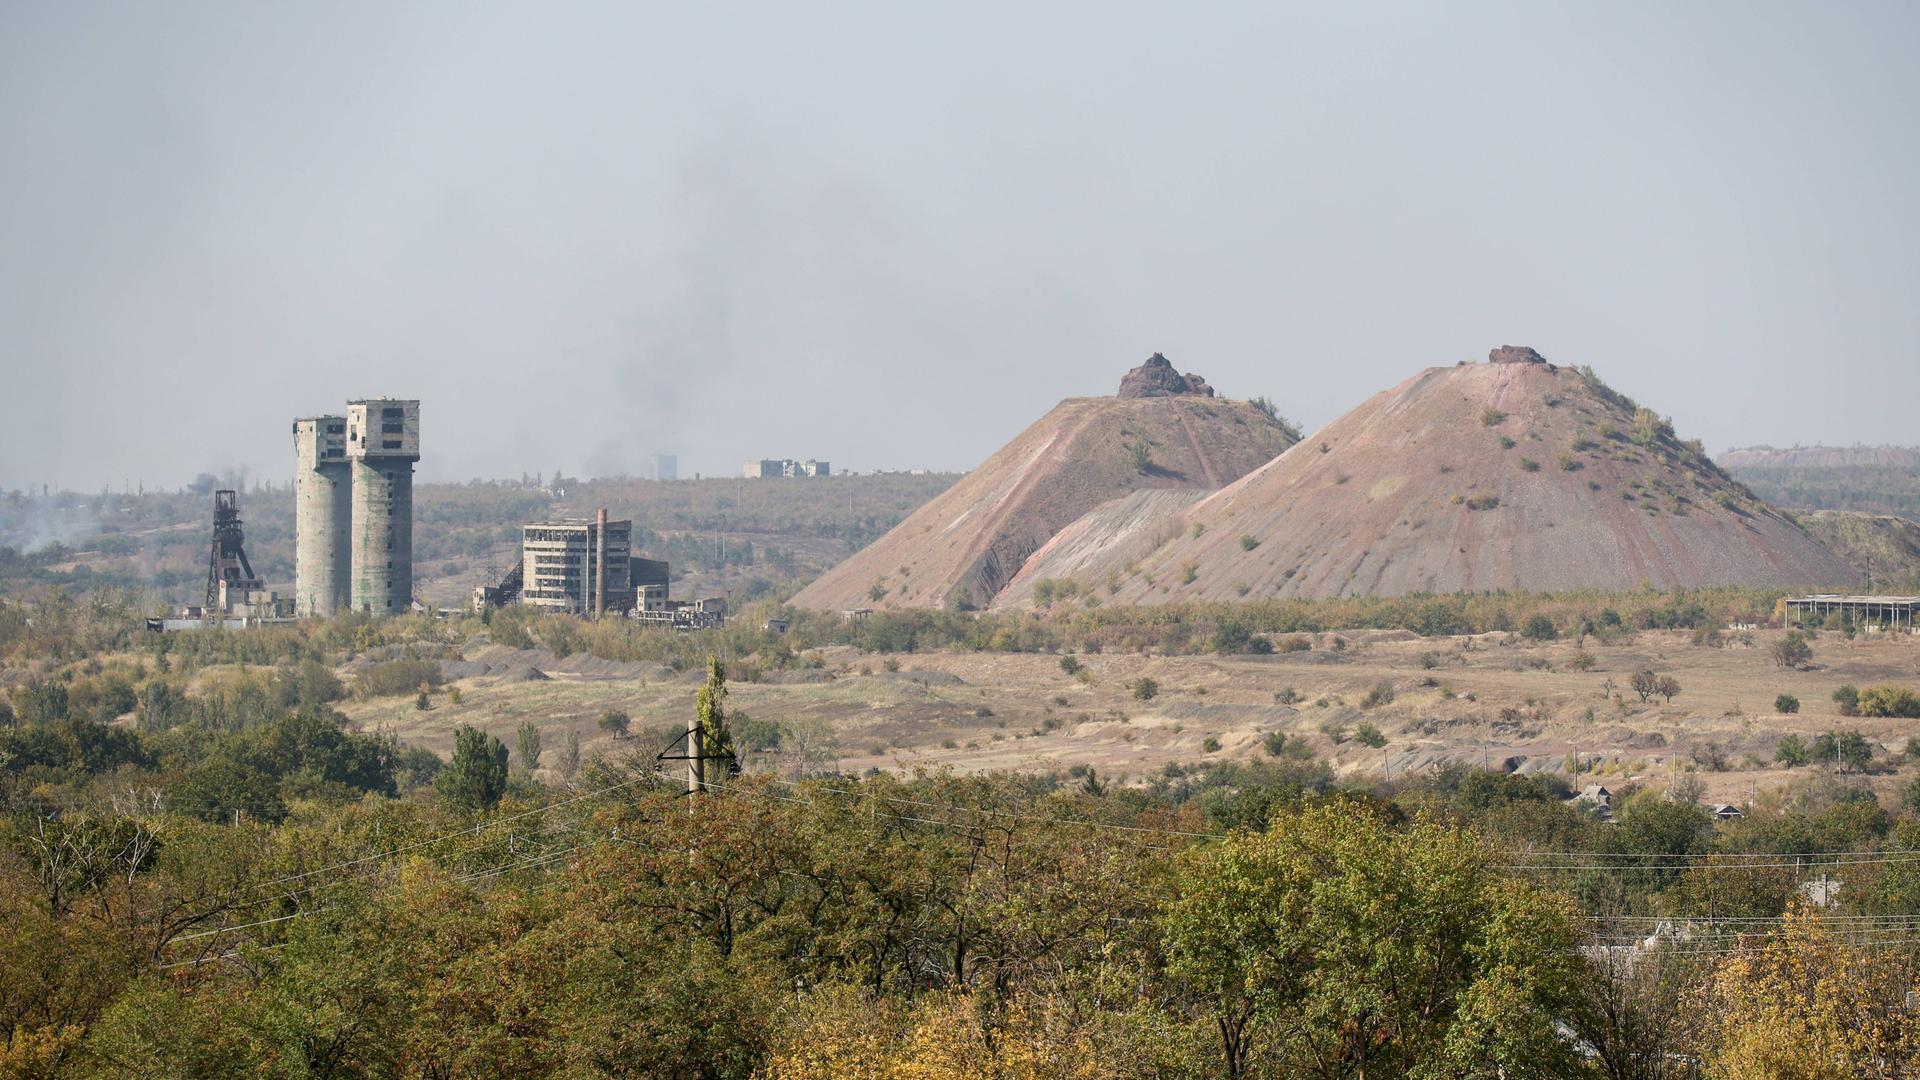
(716, 742)
(1790, 751)
(1786, 704)
(528, 740)
(1145, 689)
(615, 723)
(476, 778)
(1361, 950)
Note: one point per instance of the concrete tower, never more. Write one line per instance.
(383, 442)
(322, 510)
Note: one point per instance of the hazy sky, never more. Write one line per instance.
(894, 234)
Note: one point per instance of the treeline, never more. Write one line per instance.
(1879, 489)
(1245, 921)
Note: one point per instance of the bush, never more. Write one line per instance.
(1483, 502)
(1786, 703)
(1381, 694)
(1145, 689)
(1274, 744)
(1070, 664)
(615, 723)
(1896, 701)
(1529, 465)
(396, 677)
(1367, 735)
(1792, 650)
(1540, 628)
(1248, 543)
(1296, 643)
(1849, 748)
(1210, 745)
(1848, 699)
(1490, 416)
(1790, 751)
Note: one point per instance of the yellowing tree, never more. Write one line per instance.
(1804, 1005)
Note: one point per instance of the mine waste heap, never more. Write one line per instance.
(1163, 441)
(1512, 474)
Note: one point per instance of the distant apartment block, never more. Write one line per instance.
(777, 468)
(666, 467)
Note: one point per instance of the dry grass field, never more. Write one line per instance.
(1492, 699)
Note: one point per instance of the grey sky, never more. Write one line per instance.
(894, 234)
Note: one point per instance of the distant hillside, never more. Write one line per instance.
(1885, 549)
(1514, 474)
(1166, 432)
(730, 536)
(1823, 457)
(1870, 479)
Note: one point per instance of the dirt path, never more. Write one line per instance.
(1206, 467)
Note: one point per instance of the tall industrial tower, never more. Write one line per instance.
(230, 577)
(383, 442)
(323, 508)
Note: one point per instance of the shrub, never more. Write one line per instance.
(396, 677)
(1792, 650)
(1210, 744)
(1527, 464)
(1274, 744)
(1786, 703)
(1506, 443)
(1790, 751)
(1490, 416)
(1248, 543)
(1368, 735)
(1288, 696)
(1145, 689)
(1483, 502)
(1582, 661)
(1897, 701)
(1296, 643)
(1849, 748)
(1381, 694)
(1540, 628)
(1848, 699)
(1070, 664)
(615, 723)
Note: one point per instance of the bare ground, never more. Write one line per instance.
(1492, 699)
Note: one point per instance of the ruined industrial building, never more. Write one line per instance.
(587, 567)
(353, 508)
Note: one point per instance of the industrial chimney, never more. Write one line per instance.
(600, 563)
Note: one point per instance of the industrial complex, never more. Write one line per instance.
(587, 567)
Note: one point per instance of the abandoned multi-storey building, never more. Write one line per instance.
(353, 508)
(775, 468)
(587, 567)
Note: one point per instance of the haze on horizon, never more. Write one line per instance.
(893, 235)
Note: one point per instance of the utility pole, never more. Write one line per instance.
(696, 760)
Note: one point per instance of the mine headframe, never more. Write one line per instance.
(228, 570)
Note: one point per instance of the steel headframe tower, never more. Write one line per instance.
(383, 442)
(227, 565)
(323, 511)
